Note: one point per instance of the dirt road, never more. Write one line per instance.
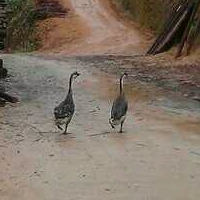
(158, 156)
(91, 27)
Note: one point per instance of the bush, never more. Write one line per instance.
(21, 25)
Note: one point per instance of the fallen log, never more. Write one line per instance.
(186, 32)
(3, 72)
(8, 98)
(177, 28)
(172, 32)
(3, 95)
(170, 23)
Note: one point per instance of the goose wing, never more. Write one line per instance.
(119, 108)
(64, 110)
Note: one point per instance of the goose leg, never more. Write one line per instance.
(121, 127)
(65, 132)
(59, 127)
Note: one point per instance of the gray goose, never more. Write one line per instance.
(65, 110)
(119, 108)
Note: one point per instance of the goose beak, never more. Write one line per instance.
(125, 74)
(76, 75)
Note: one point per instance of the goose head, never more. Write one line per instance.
(75, 74)
(125, 74)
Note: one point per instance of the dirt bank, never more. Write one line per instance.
(150, 14)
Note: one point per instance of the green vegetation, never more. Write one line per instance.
(149, 13)
(21, 25)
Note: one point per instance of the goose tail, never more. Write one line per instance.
(111, 123)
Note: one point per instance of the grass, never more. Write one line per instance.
(21, 26)
(149, 13)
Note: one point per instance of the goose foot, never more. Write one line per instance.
(121, 127)
(60, 127)
(67, 133)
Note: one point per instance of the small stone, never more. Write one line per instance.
(46, 182)
(198, 164)
(192, 176)
(196, 98)
(176, 149)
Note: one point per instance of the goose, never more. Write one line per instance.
(64, 112)
(119, 108)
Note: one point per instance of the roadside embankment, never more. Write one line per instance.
(148, 13)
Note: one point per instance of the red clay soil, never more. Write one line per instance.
(55, 31)
(90, 27)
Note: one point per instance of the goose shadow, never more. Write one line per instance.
(106, 133)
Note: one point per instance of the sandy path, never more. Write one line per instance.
(93, 27)
(158, 157)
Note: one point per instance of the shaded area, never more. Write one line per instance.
(3, 23)
(50, 8)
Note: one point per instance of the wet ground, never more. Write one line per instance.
(158, 156)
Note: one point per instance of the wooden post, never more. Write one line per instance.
(173, 30)
(186, 32)
(177, 15)
(191, 39)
